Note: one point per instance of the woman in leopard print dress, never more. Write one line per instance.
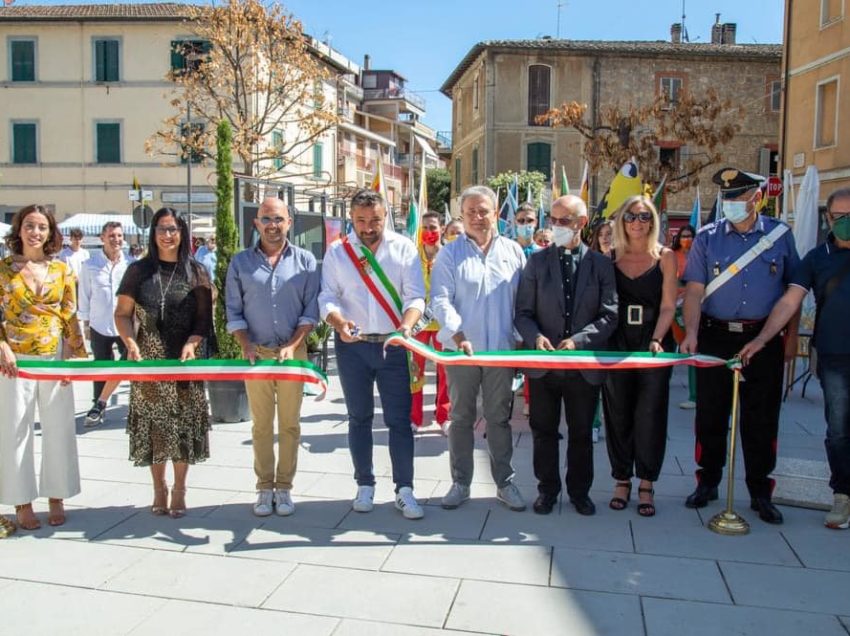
(168, 296)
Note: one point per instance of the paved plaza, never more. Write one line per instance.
(481, 569)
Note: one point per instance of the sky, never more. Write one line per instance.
(424, 40)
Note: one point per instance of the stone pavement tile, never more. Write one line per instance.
(185, 617)
(71, 611)
(317, 546)
(803, 491)
(801, 589)
(792, 467)
(200, 501)
(482, 493)
(309, 512)
(349, 627)
(518, 610)
(674, 618)
(794, 516)
(365, 595)
(196, 577)
(189, 534)
(527, 564)
(464, 523)
(666, 577)
(336, 462)
(75, 563)
(336, 486)
(221, 477)
(845, 620)
(693, 540)
(604, 531)
(819, 547)
(101, 447)
(113, 469)
(81, 523)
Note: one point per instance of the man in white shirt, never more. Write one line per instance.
(100, 277)
(372, 286)
(75, 255)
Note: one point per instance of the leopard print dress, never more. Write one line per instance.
(167, 420)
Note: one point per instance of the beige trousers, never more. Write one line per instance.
(60, 470)
(265, 398)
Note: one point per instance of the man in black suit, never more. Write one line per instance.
(567, 300)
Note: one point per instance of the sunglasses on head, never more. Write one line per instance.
(643, 217)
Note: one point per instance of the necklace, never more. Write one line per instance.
(164, 293)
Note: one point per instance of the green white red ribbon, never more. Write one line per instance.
(525, 359)
(172, 370)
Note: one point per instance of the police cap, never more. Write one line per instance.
(734, 182)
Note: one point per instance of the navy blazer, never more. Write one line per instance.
(540, 306)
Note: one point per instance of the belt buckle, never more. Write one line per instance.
(736, 327)
(634, 314)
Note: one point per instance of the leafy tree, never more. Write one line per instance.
(704, 123)
(439, 185)
(227, 237)
(534, 180)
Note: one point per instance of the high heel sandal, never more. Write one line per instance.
(30, 523)
(176, 512)
(646, 509)
(160, 494)
(56, 516)
(618, 503)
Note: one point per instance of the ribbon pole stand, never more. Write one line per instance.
(730, 522)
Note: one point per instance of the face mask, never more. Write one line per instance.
(686, 243)
(841, 228)
(562, 236)
(451, 238)
(735, 211)
(525, 231)
(430, 237)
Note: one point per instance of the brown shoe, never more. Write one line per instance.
(26, 517)
(56, 516)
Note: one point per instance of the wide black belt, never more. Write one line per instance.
(378, 338)
(732, 326)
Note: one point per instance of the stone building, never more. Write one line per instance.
(501, 86)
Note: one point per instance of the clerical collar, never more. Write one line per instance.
(576, 251)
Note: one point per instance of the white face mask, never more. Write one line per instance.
(525, 231)
(562, 236)
(735, 211)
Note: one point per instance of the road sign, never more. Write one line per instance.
(142, 215)
(133, 195)
(147, 195)
(774, 186)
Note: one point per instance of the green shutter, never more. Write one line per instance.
(317, 160)
(474, 166)
(539, 159)
(108, 143)
(106, 60)
(457, 175)
(23, 60)
(176, 55)
(24, 143)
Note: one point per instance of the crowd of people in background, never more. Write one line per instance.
(733, 289)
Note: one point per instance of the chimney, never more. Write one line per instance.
(728, 35)
(367, 62)
(676, 33)
(716, 30)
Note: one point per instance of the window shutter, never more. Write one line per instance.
(111, 61)
(24, 143)
(23, 61)
(539, 159)
(176, 55)
(108, 143)
(317, 160)
(538, 92)
(764, 162)
(100, 61)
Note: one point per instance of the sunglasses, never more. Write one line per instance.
(167, 229)
(563, 221)
(643, 217)
(277, 220)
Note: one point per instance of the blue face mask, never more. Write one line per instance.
(735, 211)
(525, 231)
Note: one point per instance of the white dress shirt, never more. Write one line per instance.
(474, 292)
(344, 291)
(74, 259)
(99, 281)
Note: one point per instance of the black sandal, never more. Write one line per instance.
(646, 509)
(618, 503)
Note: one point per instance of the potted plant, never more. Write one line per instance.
(228, 399)
(317, 345)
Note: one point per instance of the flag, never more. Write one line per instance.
(659, 199)
(541, 214)
(507, 213)
(565, 185)
(625, 183)
(584, 188)
(422, 206)
(447, 215)
(136, 185)
(715, 210)
(554, 174)
(380, 186)
(787, 194)
(413, 219)
(696, 213)
(7, 2)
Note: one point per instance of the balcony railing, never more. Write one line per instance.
(444, 139)
(395, 93)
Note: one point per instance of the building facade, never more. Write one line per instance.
(499, 88)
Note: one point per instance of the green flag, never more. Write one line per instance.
(565, 185)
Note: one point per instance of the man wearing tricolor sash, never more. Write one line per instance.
(372, 286)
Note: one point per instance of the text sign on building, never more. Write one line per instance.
(133, 195)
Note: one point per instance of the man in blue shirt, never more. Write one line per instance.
(826, 271)
(271, 296)
(737, 270)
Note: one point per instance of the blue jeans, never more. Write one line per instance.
(360, 365)
(834, 374)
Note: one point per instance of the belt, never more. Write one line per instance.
(733, 326)
(378, 338)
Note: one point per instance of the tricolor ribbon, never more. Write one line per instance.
(173, 370)
(525, 359)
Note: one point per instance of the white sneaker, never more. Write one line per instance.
(456, 495)
(687, 405)
(263, 507)
(839, 516)
(595, 435)
(511, 497)
(364, 501)
(283, 505)
(406, 502)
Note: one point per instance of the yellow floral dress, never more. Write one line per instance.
(36, 323)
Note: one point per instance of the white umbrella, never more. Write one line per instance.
(4, 230)
(806, 223)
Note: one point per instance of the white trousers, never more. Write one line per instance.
(60, 469)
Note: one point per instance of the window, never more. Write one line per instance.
(459, 110)
(475, 165)
(317, 160)
(457, 175)
(277, 146)
(774, 95)
(370, 81)
(670, 158)
(106, 60)
(22, 56)
(476, 87)
(538, 92)
(188, 55)
(24, 142)
(192, 134)
(831, 11)
(108, 143)
(670, 87)
(826, 113)
(539, 159)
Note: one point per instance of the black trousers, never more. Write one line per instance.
(101, 347)
(760, 396)
(580, 399)
(635, 405)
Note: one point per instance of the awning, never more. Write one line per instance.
(368, 134)
(426, 147)
(4, 230)
(92, 224)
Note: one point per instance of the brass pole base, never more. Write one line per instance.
(728, 522)
(7, 528)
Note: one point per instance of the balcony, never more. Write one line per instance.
(395, 93)
(351, 89)
(444, 140)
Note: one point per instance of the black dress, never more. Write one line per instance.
(168, 420)
(635, 401)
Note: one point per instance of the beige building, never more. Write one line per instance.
(816, 73)
(499, 88)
